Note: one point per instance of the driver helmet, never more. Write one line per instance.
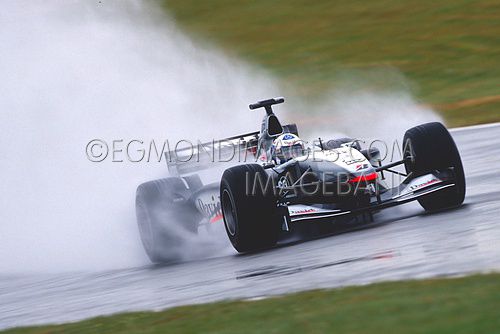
(287, 146)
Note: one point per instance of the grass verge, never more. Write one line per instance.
(449, 50)
(459, 305)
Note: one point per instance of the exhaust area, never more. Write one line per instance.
(76, 71)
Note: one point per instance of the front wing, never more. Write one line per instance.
(409, 190)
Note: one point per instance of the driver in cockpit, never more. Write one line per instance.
(286, 147)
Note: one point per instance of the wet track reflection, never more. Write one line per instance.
(404, 243)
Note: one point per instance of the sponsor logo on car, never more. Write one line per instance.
(211, 209)
(361, 166)
(302, 211)
(415, 187)
(348, 159)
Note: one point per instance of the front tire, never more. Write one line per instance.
(250, 217)
(431, 147)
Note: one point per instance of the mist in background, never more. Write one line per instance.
(75, 71)
(371, 104)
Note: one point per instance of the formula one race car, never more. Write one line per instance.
(276, 181)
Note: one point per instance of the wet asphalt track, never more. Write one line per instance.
(404, 243)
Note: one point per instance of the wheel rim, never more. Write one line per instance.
(229, 213)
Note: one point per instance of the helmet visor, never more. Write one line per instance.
(294, 151)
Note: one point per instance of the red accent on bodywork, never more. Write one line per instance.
(216, 218)
(361, 178)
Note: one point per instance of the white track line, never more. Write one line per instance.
(475, 127)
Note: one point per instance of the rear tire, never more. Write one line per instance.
(251, 220)
(432, 148)
(166, 218)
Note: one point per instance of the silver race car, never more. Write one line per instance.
(276, 181)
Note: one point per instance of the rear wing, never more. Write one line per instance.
(191, 157)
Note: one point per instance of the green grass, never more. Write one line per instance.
(448, 50)
(460, 305)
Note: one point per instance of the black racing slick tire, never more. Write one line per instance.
(430, 147)
(166, 218)
(250, 212)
